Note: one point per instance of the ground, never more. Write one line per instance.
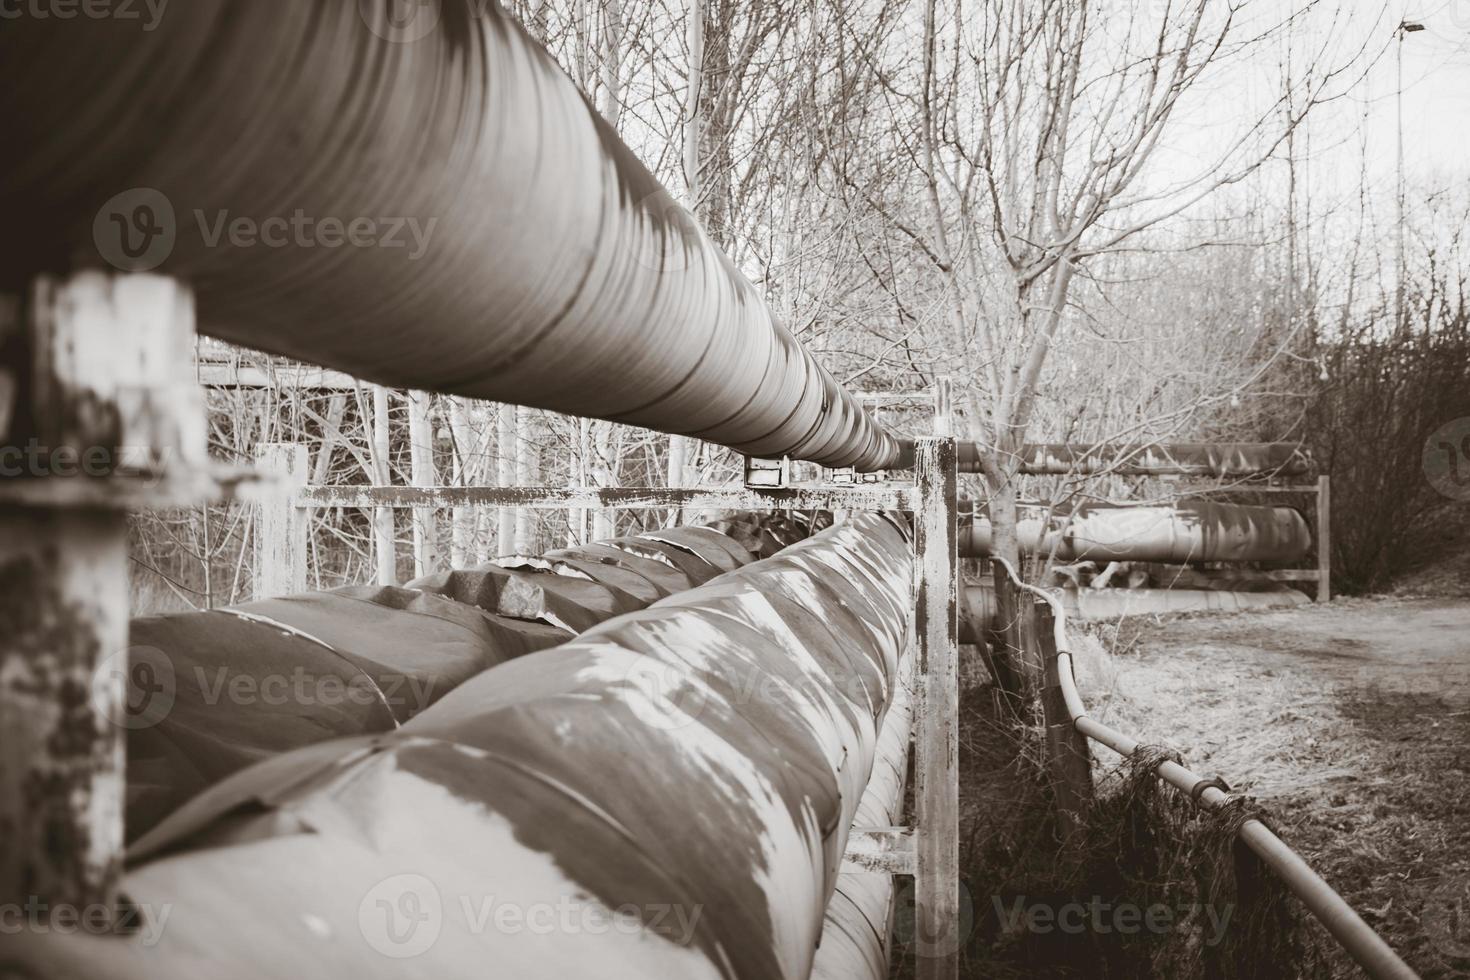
(1350, 720)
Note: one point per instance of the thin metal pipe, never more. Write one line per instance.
(429, 204)
(1364, 945)
(1221, 460)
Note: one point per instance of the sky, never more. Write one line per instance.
(1350, 137)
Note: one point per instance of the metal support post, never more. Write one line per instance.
(936, 749)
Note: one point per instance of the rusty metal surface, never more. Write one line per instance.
(439, 212)
(63, 599)
(693, 767)
(93, 385)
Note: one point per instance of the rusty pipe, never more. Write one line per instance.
(429, 205)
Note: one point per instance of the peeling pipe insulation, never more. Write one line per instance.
(216, 691)
(1366, 947)
(431, 205)
(668, 795)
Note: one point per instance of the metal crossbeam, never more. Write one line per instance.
(809, 497)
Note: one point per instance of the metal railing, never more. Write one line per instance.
(1364, 945)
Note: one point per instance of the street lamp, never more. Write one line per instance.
(1405, 27)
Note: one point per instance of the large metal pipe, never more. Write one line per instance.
(1184, 531)
(212, 692)
(669, 795)
(429, 204)
(857, 931)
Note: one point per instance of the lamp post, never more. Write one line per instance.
(1405, 27)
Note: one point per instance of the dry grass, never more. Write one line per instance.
(1350, 723)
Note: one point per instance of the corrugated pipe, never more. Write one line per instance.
(413, 193)
(1365, 946)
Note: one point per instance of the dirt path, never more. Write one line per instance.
(1350, 720)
